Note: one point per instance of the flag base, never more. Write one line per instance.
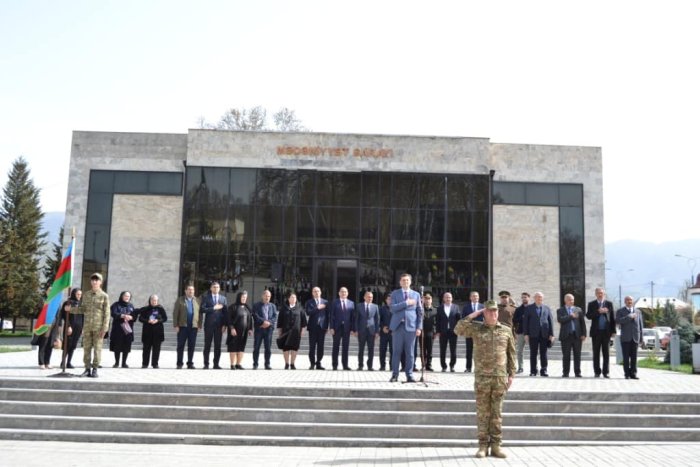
(62, 374)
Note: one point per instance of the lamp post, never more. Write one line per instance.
(691, 265)
(619, 273)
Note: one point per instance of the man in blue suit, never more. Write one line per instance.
(341, 315)
(537, 327)
(366, 327)
(448, 314)
(406, 324)
(468, 309)
(213, 306)
(317, 318)
(264, 323)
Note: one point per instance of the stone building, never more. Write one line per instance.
(284, 211)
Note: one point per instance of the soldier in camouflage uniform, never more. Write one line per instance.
(494, 348)
(95, 308)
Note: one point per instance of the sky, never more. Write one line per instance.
(620, 75)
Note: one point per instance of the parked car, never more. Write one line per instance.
(649, 336)
(664, 333)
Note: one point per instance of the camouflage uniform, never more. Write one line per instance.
(494, 347)
(95, 308)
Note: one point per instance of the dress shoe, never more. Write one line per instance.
(415, 369)
(205, 367)
(268, 367)
(444, 370)
(564, 376)
(335, 368)
(239, 367)
(606, 376)
(597, 375)
(233, 367)
(544, 373)
(286, 366)
(382, 368)
(533, 374)
(144, 367)
(179, 367)
(93, 374)
(217, 367)
(497, 452)
(370, 369)
(190, 366)
(359, 368)
(520, 370)
(124, 365)
(69, 366)
(627, 377)
(155, 367)
(116, 365)
(292, 367)
(468, 370)
(312, 366)
(452, 369)
(430, 369)
(319, 367)
(410, 379)
(481, 452)
(255, 366)
(634, 377)
(579, 375)
(394, 379)
(87, 372)
(347, 368)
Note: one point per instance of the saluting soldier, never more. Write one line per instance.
(494, 370)
(95, 309)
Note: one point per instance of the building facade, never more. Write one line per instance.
(287, 211)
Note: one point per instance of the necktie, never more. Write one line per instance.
(405, 295)
(539, 311)
(473, 306)
(265, 308)
(216, 299)
(343, 304)
(573, 326)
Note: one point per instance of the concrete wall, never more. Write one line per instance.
(113, 151)
(145, 248)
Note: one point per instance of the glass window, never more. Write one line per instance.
(307, 188)
(542, 194)
(432, 192)
(306, 224)
(571, 258)
(99, 209)
(242, 186)
(508, 193)
(481, 229)
(406, 191)
(269, 223)
(163, 183)
(432, 227)
(101, 181)
(276, 187)
(338, 189)
(370, 225)
(131, 182)
(459, 230)
(570, 195)
(96, 246)
(404, 224)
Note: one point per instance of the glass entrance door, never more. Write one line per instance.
(332, 274)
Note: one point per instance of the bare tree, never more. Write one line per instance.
(254, 119)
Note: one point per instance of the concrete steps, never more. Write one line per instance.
(79, 410)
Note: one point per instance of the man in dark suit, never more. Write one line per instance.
(518, 328)
(264, 323)
(406, 324)
(213, 306)
(539, 334)
(341, 315)
(572, 333)
(468, 309)
(385, 332)
(317, 318)
(600, 312)
(448, 314)
(366, 328)
(429, 328)
(631, 324)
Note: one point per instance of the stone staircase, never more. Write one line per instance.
(95, 411)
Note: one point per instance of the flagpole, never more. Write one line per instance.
(66, 320)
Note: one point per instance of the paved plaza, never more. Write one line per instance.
(31, 453)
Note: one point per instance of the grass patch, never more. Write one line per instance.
(660, 365)
(8, 349)
(15, 334)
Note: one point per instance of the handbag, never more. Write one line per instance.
(126, 328)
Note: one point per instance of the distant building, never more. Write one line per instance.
(281, 211)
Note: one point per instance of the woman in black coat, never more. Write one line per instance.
(152, 316)
(75, 327)
(122, 334)
(239, 321)
(292, 319)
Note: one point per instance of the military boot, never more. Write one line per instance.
(496, 451)
(483, 451)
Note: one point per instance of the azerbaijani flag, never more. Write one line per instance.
(63, 280)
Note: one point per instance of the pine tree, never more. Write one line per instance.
(21, 240)
(51, 265)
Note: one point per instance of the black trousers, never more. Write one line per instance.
(317, 337)
(571, 342)
(151, 351)
(426, 349)
(538, 344)
(629, 358)
(470, 352)
(73, 341)
(212, 333)
(365, 338)
(384, 345)
(189, 336)
(448, 338)
(342, 334)
(601, 344)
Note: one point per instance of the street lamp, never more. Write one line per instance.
(619, 282)
(691, 265)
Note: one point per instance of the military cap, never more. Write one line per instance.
(491, 305)
(504, 292)
(96, 275)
